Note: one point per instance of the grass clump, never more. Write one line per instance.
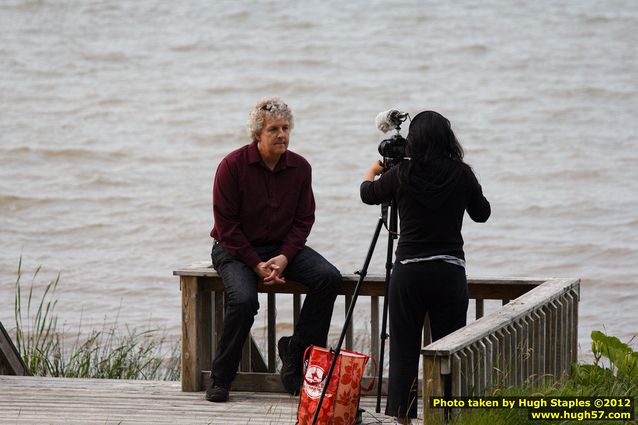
(106, 353)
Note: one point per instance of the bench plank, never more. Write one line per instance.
(374, 285)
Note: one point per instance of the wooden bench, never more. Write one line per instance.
(202, 314)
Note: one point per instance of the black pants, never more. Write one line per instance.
(433, 287)
(240, 284)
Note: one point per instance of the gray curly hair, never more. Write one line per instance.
(271, 107)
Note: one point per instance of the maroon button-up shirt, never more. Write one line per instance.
(253, 206)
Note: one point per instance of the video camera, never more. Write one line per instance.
(393, 149)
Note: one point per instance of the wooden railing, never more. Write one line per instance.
(11, 363)
(504, 343)
(529, 340)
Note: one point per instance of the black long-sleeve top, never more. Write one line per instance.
(431, 200)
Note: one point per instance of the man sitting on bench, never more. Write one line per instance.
(263, 206)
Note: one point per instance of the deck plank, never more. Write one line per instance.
(40, 400)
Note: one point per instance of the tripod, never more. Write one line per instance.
(392, 234)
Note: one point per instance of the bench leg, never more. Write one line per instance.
(196, 333)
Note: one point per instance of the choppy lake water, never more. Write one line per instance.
(114, 115)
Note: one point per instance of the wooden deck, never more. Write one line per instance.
(37, 400)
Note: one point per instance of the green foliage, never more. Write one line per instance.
(615, 368)
(613, 373)
(106, 353)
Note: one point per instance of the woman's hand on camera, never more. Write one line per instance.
(375, 169)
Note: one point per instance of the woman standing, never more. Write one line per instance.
(431, 191)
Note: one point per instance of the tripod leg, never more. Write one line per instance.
(384, 336)
(362, 274)
(384, 323)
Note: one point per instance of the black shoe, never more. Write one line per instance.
(291, 365)
(217, 393)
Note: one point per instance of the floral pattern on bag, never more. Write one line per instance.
(341, 401)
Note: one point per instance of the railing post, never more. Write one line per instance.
(480, 308)
(432, 387)
(529, 348)
(245, 362)
(272, 333)
(553, 341)
(574, 296)
(375, 329)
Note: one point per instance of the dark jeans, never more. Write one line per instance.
(433, 287)
(240, 283)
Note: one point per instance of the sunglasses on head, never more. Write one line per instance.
(277, 106)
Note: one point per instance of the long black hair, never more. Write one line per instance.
(431, 142)
(431, 137)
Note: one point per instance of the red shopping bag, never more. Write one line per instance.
(341, 401)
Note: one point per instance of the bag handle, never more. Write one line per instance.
(374, 376)
(306, 356)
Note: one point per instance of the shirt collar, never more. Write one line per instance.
(285, 161)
